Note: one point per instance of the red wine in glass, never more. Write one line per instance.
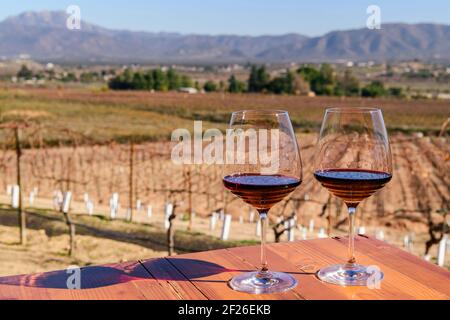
(352, 185)
(261, 191)
(353, 161)
(247, 173)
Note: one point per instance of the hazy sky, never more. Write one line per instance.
(251, 17)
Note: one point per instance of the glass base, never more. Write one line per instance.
(347, 275)
(269, 282)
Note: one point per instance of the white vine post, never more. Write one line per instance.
(149, 211)
(362, 230)
(15, 194)
(251, 216)
(90, 207)
(311, 226)
(304, 233)
(138, 206)
(114, 205)
(442, 251)
(213, 221)
(66, 202)
(380, 235)
(226, 227)
(291, 230)
(322, 234)
(128, 214)
(31, 198)
(167, 214)
(86, 197)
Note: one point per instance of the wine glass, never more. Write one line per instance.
(353, 161)
(263, 166)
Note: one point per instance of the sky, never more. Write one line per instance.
(243, 17)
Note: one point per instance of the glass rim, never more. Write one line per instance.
(353, 110)
(276, 112)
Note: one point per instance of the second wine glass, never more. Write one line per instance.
(353, 161)
(263, 167)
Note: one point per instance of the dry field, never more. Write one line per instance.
(142, 116)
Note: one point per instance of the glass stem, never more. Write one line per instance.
(263, 220)
(351, 235)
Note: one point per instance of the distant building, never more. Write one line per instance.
(188, 90)
(443, 96)
(24, 56)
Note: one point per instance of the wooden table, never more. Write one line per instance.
(204, 275)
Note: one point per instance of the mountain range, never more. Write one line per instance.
(44, 37)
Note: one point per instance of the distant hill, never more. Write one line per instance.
(44, 36)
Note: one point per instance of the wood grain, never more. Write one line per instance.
(403, 262)
(205, 275)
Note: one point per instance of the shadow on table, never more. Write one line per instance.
(180, 269)
(104, 276)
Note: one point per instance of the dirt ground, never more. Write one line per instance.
(45, 252)
(98, 241)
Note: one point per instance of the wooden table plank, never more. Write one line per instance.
(205, 275)
(211, 271)
(308, 255)
(172, 280)
(395, 285)
(404, 262)
(308, 288)
(127, 281)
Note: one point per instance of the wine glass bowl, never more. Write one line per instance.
(353, 161)
(263, 166)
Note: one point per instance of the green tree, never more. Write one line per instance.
(138, 82)
(210, 86)
(88, 77)
(69, 77)
(309, 73)
(221, 86)
(186, 81)
(322, 81)
(123, 81)
(148, 78)
(253, 79)
(159, 80)
(283, 84)
(25, 73)
(173, 80)
(374, 89)
(396, 92)
(259, 79)
(235, 86)
(327, 80)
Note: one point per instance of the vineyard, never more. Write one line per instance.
(103, 117)
(114, 170)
